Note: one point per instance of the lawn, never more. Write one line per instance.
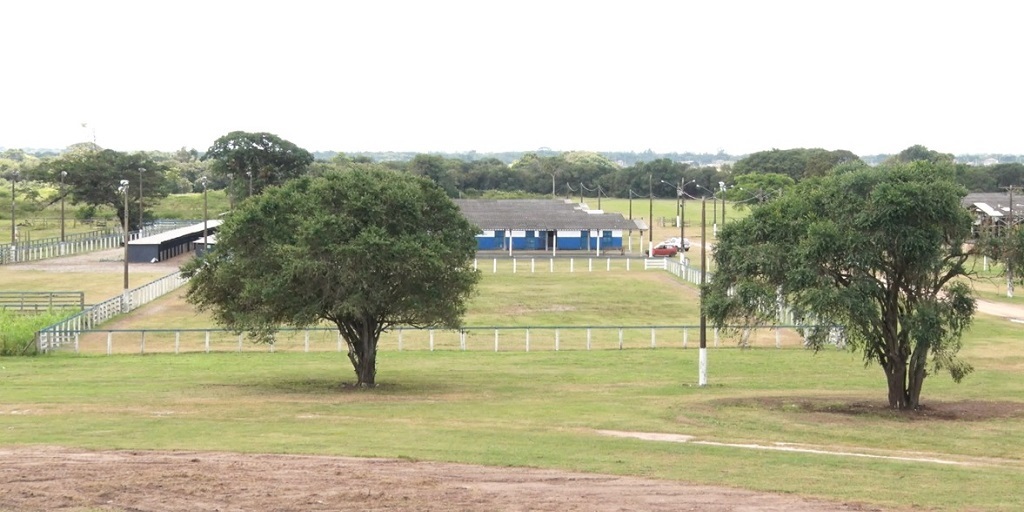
(547, 409)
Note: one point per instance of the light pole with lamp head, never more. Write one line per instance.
(123, 189)
(63, 174)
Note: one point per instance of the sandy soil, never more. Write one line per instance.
(50, 478)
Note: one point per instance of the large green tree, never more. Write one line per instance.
(365, 249)
(240, 159)
(93, 177)
(878, 252)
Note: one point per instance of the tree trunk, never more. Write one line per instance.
(896, 376)
(367, 369)
(362, 352)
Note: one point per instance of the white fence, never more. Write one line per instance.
(80, 243)
(486, 338)
(83, 326)
(66, 331)
(591, 264)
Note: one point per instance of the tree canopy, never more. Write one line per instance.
(93, 177)
(262, 159)
(875, 251)
(365, 249)
(797, 163)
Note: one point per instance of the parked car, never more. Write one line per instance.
(680, 244)
(663, 250)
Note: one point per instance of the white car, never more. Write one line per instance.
(674, 241)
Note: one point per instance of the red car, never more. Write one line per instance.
(663, 250)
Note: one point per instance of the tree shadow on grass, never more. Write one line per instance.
(964, 410)
(340, 386)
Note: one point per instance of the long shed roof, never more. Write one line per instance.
(539, 214)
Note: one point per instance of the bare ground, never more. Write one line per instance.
(50, 478)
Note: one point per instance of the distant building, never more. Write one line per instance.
(547, 225)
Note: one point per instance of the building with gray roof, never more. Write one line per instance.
(545, 225)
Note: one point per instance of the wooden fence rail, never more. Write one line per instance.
(36, 302)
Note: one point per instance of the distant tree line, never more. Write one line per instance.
(244, 163)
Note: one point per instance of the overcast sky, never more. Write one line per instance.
(739, 76)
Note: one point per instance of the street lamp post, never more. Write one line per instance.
(124, 294)
(141, 209)
(63, 174)
(650, 212)
(14, 229)
(206, 243)
(702, 364)
(682, 211)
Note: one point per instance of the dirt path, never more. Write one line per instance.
(49, 478)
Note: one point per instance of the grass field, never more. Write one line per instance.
(548, 409)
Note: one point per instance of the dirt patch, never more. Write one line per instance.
(966, 410)
(49, 478)
(110, 261)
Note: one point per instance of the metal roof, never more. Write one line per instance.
(166, 236)
(539, 214)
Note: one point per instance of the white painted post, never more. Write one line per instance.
(462, 340)
(533, 264)
(177, 341)
(475, 264)
(208, 342)
(495, 340)
(239, 342)
(110, 343)
(620, 338)
(527, 340)
(400, 339)
(572, 265)
(716, 336)
(702, 368)
(552, 261)
(590, 264)
(339, 342)
(778, 342)
(142, 343)
(556, 340)
(495, 265)
(305, 342)
(608, 267)
(431, 340)
(685, 336)
(514, 266)
(654, 344)
(627, 264)
(76, 342)
(588, 338)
